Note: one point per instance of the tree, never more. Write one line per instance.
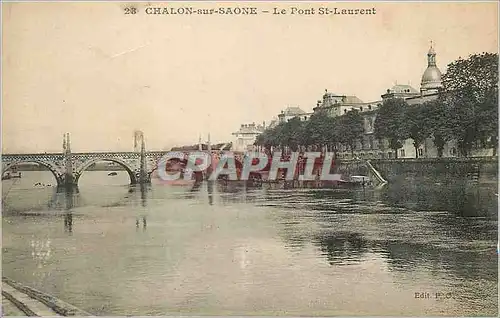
(418, 128)
(315, 131)
(350, 129)
(277, 137)
(264, 139)
(271, 137)
(390, 123)
(440, 123)
(292, 133)
(487, 118)
(471, 87)
(332, 133)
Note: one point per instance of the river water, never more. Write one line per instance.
(112, 249)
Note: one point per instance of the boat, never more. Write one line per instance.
(355, 182)
(112, 174)
(11, 175)
(181, 183)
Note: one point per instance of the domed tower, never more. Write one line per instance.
(431, 80)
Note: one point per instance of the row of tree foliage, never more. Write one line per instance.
(466, 111)
(319, 130)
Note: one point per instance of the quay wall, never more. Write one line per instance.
(480, 169)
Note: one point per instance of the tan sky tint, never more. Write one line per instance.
(88, 69)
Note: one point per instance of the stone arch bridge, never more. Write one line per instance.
(67, 167)
(67, 170)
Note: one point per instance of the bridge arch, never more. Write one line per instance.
(52, 169)
(87, 164)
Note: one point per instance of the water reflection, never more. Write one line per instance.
(68, 222)
(437, 237)
(342, 248)
(460, 197)
(144, 223)
(210, 191)
(142, 197)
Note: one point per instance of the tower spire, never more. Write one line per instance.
(431, 55)
(209, 146)
(143, 175)
(68, 143)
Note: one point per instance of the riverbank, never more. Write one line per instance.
(21, 300)
(445, 170)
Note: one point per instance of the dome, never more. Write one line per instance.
(431, 77)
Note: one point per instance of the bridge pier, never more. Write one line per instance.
(67, 185)
(141, 178)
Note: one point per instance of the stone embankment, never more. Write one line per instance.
(21, 300)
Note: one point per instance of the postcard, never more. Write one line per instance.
(214, 158)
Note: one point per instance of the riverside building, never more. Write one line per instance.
(369, 146)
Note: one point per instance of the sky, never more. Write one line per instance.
(99, 74)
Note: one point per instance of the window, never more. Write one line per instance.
(402, 153)
(345, 111)
(420, 152)
(361, 108)
(453, 151)
(369, 107)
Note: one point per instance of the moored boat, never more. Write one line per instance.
(11, 175)
(356, 182)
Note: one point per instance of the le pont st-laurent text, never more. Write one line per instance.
(255, 11)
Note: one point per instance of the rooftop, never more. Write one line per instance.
(250, 129)
(292, 111)
(398, 88)
(352, 100)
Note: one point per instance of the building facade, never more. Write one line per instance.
(245, 137)
(369, 146)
